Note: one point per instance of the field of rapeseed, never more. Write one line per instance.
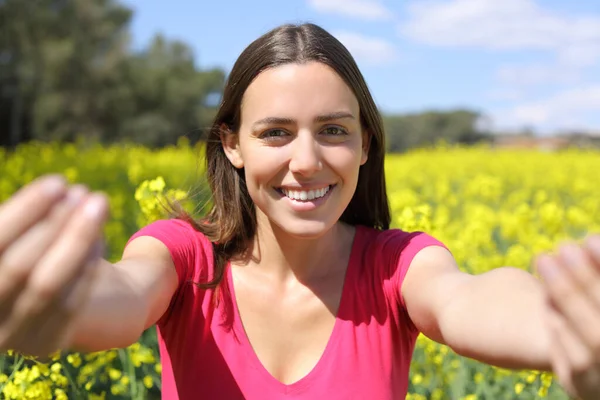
(492, 208)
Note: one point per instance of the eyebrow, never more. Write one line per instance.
(289, 121)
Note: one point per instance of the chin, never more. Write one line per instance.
(308, 229)
(302, 221)
(302, 228)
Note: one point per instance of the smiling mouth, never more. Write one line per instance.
(305, 195)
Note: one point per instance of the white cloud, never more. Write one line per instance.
(371, 10)
(580, 55)
(570, 109)
(572, 42)
(370, 50)
(537, 74)
(504, 25)
(505, 94)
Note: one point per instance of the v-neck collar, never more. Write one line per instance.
(331, 343)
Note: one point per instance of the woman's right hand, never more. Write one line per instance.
(50, 241)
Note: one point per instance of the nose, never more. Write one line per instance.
(306, 155)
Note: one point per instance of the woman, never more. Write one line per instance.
(293, 286)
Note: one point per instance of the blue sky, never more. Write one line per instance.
(522, 63)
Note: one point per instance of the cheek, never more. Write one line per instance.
(345, 161)
(262, 167)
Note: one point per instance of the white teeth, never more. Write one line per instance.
(305, 195)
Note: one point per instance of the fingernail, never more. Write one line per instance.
(593, 244)
(75, 195)
(572, 255)
(93, 207)
(53, 185)
(548, 268)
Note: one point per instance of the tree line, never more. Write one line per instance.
(67, 71)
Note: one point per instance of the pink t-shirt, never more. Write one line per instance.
(206, 354)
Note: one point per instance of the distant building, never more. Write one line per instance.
(584, 139)
(547, 143)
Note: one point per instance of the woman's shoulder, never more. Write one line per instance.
(181, 237)
(177, 229)
(395, 242)
(176, 224)
(388, 254)
(391, 236)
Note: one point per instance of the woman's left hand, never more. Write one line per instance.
(572, 282)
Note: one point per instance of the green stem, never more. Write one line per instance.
(16, 367)
(71, 380)
(128, 365)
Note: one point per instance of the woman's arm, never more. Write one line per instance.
(496, 317)
(127, 297)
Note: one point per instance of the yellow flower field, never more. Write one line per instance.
(491, 208)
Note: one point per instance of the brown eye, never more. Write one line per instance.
(273, 134)
(335, 131)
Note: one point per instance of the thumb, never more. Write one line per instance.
(79, 288)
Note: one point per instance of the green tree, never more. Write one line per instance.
(424, 129)
(66, 70)
(58, 56)
(168, 96)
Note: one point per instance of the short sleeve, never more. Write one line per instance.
(415, 242)
(175, 234)
(398, 249)
(190, 250)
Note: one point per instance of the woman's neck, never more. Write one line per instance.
(285, 257)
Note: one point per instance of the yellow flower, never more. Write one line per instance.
(519, 388)
(114, 374)
(148, 382)
(74, 360)
(60, 394)
(417, 379)
(478, 377)
(532, 377)
(157, 185)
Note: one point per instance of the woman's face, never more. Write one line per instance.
(301, 145)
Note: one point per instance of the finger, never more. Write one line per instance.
(558, 354)
(584, 371)
(28, 206)
(63, 261)
(20, 330)
(71, 250)
(580, 267)
(19, 259)
(54, 329)
(592, 245)
(6, 307)
(76, 294)
(571, 301)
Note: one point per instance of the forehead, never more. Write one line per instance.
(297, 90)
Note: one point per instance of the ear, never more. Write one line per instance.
(231, 146)
(366, 145)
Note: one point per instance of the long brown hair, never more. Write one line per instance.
(231, 223)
